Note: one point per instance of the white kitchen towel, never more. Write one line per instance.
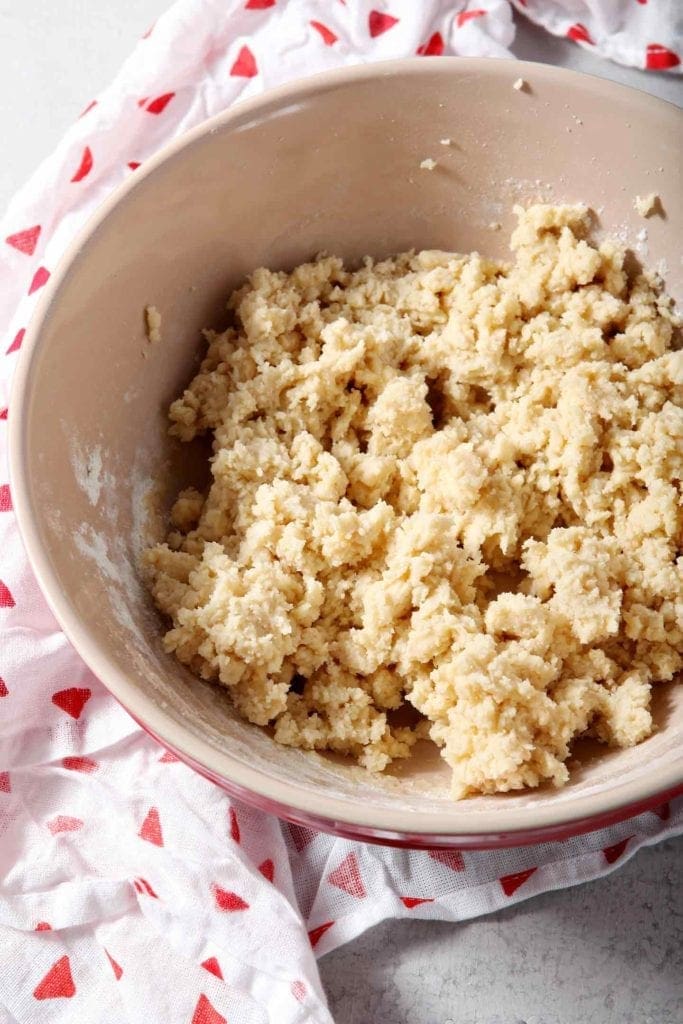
(132, 889)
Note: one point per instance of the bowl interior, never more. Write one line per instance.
(329, 165)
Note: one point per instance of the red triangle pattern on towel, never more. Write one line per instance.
(5, 498)
(449, 858)
(57, 983)
(347, 877)
(80, 764)
(379, 23)
(4, 692)
(150, 830)
(72, 700)
(301, 836)
(5, 784)
(617, 850)
(85, 166)
(41, 277)
(227, 900)
(64, 823)
(267, 869)
(414, 901)
(326, 34)
(25, 241)
(579, 33)
(16, 345)
(434, 46)
(511, 883)
(245, 64)
(316, 934)
(158, 105)
(212, 966)
(466, 16)
(234, 825)
(660, 58)
(116, 968)
(205, 1013)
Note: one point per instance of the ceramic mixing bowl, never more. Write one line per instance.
(330, 163)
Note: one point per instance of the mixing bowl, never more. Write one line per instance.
(330, 163)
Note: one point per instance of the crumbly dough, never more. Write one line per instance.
(645, 205)
(428, 164)
(152, 323)
(443, 482)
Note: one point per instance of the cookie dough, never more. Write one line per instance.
(442, 483)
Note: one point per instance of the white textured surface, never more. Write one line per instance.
(607, 952)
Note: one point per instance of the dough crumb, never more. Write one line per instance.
(443, 483)
(495, 225)
(646, 205)
(520, 84)
(446, 142)
(428, 164)
(152, 323)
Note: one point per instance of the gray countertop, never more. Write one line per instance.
(608, 952)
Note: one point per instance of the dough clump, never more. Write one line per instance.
(442, 483)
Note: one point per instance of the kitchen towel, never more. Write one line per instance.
(132, 889)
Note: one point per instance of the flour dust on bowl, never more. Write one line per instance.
(332, 164)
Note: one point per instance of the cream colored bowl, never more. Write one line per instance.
(329, 163)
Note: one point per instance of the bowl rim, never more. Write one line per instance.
(255, 785)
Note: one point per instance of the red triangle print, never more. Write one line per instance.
(267, 869)
(43, 926)
(326, 34)
(234, 826)
(80, 764)
(142, 102)
(133, 165)
(511, 883)
(63, 823)
(226, 900)
(258, 5)
(118, 971)
(613, 853)
(168, 758)
(579, 33)
(659, 58)
(85, 166)
(5, 785)
(16, 344)
(159, 104)
(245, 64)
(41, 277)
(316, 934)
(298, 990)
(86, 110)
(72, 700)
(379, 23)
(25, 241)
(414, 901)
(434, 46)
(213, 967)
(347, 877)
(301, 836)
(5, 498)
(449, 858)
(4, 692)
(3, 414)
(466, 16)
(150, 830)
(663, 812)
(205, 1013)
(6, 599)
(57, 983)
(143, 886)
